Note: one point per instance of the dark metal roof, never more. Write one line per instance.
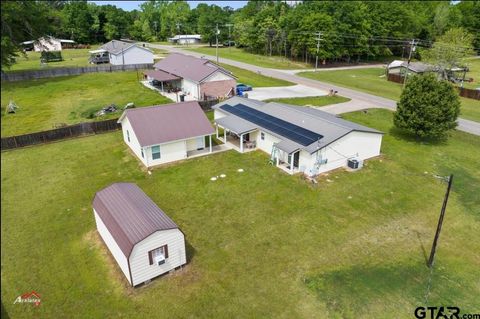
(167, 123)
(160, 75)
(189, 67)
(129, 215)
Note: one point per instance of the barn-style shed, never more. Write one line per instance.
(144, 241)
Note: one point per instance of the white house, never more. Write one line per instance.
(199, 79)
(186, 39)
(122, 53)
(166, 133)
(298, 139)
(142, 239)
(48, 43)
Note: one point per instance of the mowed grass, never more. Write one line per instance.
(373, 81)
(254, 79)
(238, 54)
(71, 58)
(261, 244)
(311, 100)
(474, 73)
(70, 99)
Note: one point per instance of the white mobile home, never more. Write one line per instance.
(298, 139)
(142, 239)
(123, 53)
(166, 133)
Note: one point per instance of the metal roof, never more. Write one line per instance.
(160, 124)
(236, 124)
(288, 146)
(189, 67)
(330, 127)
(129, 215)
(160, 75)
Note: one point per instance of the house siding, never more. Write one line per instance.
(133, 144)
(139, 261)
(133, 55)
(110, 242)
(191, 88)
(193, 143)
(169, 152)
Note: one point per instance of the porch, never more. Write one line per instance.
(286, 156)
(237, 133)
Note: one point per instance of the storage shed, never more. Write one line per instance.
(144, 241)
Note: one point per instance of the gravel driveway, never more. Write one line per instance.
(298, 90)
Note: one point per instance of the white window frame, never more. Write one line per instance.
(262, 136)
(159, 152)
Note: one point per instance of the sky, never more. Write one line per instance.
(132, 5)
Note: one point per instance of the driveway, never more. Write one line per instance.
(284, 92)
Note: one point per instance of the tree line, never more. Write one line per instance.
(341, 30)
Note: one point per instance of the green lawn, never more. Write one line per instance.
(274, 62)
(71, 57)
(312, 100)
(254, 79)
(261, 244)
(70, 99)
(474, 73)
(373, 81)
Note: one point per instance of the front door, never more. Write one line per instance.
(246, 137)
(200, 143)
(296, 158)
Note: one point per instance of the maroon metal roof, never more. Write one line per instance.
(160, 75)
(189, 67)
(170, 122)
(129, 214)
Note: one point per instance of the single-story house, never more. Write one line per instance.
(166, 133)
(48, 43)
(199, 79)
(298, 139)
(400, 67)
(122, 53)
(186, 39)
(142, 239)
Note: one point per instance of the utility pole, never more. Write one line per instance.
(229, 25)
(216, 41)
(413, 46)
(440, 222)
(319, 38)
(155, 24)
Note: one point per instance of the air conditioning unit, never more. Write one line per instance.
(160, 260)
(353, 163)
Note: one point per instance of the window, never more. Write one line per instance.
(128, 135)
(156, 152)
(158, 255)
(262, 136)
(143, 156)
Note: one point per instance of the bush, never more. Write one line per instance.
(427, 107)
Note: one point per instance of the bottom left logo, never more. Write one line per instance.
(29, 297)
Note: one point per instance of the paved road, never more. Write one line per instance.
(359, 100)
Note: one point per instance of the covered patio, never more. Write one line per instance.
(286, 156)
(167, 84)
(237, 133)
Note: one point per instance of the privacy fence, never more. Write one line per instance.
(82, 129)
(468, 93)
(87, 128)
(55, 72)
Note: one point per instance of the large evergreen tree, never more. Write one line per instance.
(427, 107)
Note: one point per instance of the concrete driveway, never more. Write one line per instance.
(298, 90)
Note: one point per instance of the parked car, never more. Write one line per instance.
(243, 87)
(232, 43)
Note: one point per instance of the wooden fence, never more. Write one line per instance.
(469, 93)
(86, 128)
(395, 78)
(55, 72)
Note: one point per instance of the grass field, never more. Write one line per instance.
(71, 57)
(274, 62)
(254, 79)
(312, 100)
(373, 81)
(261, 244)
(70, 99)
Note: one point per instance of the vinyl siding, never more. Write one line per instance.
(112, 246)
(139, 262)
(192, 144)
(133, 55)
(190, 88)
(169, 152)
(133, 144)
(218, 76)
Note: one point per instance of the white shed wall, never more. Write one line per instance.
(112, 246)
(139, 262)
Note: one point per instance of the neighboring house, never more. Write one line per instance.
(400, 67)
(123, 53)
(166, 133)
(199, 79)
(186, 39)
(48, 43)
(144, 241)
(298, 139)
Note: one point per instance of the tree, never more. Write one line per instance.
(77, 21)
(427, 107)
